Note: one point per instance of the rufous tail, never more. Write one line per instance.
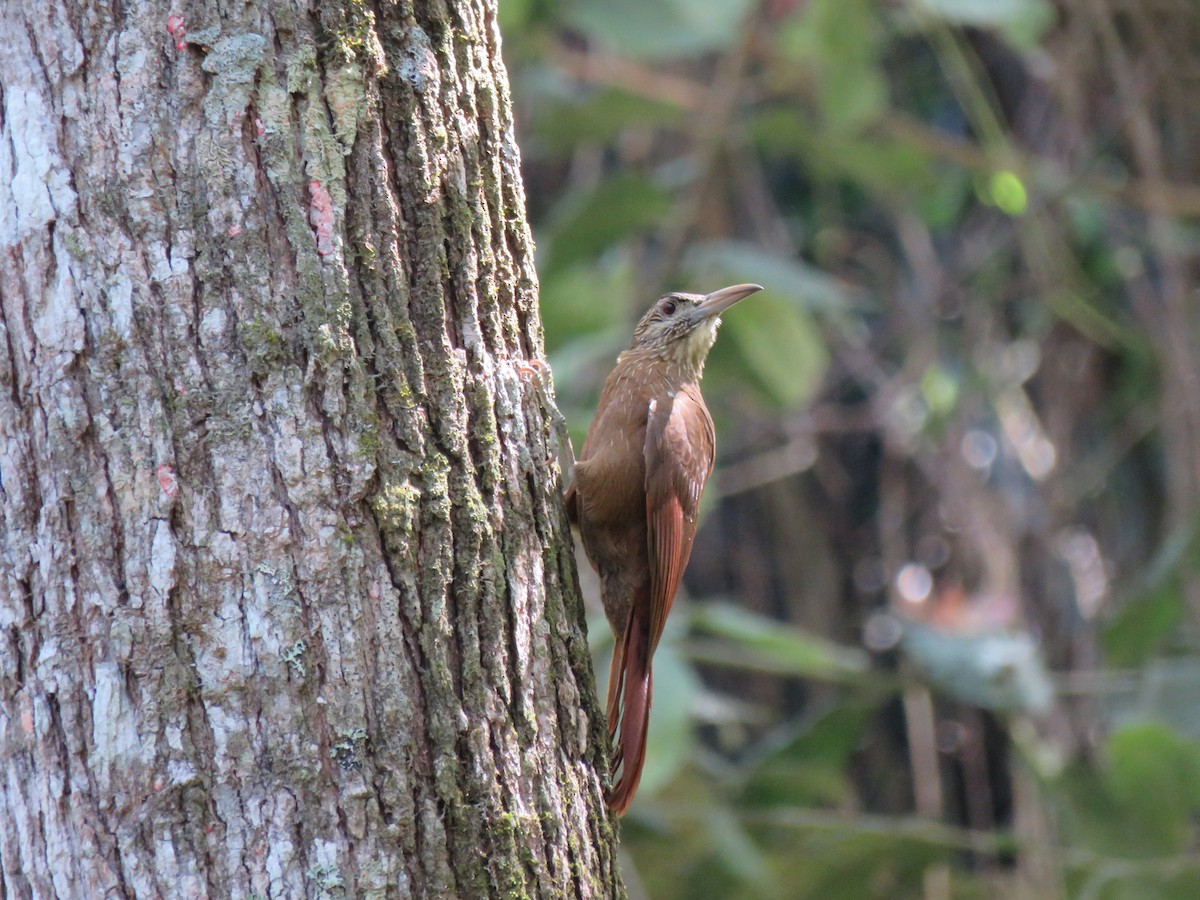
(629, 690)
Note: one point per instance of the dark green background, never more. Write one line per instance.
(973, 361)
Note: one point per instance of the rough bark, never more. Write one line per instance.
(287, 601)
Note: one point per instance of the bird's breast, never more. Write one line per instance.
(611, 472)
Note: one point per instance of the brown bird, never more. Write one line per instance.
(636, 495)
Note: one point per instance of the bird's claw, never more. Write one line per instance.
(533, 368)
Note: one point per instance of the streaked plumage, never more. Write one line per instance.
(636, 495)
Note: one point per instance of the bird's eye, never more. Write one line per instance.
(668, 307)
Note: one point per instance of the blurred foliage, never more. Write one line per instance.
(959, 433)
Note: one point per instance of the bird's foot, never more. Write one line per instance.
(533, 368)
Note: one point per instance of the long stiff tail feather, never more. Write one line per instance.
(631, 680)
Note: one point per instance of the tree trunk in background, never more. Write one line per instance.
(287, 600)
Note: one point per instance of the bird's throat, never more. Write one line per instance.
(687, 355)
(679, 361)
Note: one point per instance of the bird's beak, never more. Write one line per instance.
(719, 301)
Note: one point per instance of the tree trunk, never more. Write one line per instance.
(288, 604)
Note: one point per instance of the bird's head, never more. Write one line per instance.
(682, 327)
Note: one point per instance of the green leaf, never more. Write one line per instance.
(782, 348)
(940, 390)
(855, 865)
(588, 225)
(1007, 191)
(894, 168)
(1141, 627)
(994, 670)
(1091, 817)
(941, 202)
(807, 766)
(736, 849)
(583, 299)
(839, 41)
(1153, 764)
(564, 123)
(514, 15)
(773, 331)
(1172, 879)
(1142, 804)
(787, 649)
(832, 735)
(809, 287)
(1155, 775)
(1145, 622)
(661, 29)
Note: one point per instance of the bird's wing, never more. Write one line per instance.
(679, 457)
